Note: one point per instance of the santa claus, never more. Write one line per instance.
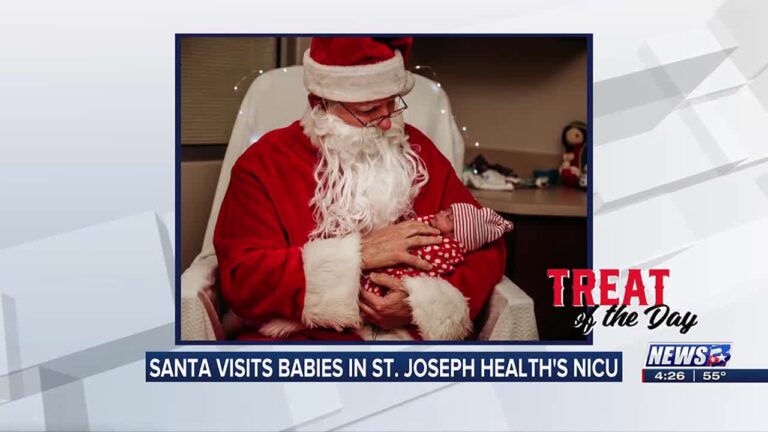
(311, 206)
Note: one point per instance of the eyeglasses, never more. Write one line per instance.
(400, 106)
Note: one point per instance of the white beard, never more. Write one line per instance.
(366, 179)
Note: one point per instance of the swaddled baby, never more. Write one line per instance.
(465, 228)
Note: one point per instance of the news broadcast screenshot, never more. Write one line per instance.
(401, 216)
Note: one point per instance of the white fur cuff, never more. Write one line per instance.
(280, 328)
(440, 311)
(332, 273)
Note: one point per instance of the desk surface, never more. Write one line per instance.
(553, 201)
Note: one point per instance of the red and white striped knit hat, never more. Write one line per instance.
(473, 227)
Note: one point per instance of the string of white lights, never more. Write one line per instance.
(420, 69)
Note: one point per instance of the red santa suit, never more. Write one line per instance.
(271, 273)
(285, 285)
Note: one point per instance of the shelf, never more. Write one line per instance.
(553, 201)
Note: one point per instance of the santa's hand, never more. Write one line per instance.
(387, 311)
(389, 246)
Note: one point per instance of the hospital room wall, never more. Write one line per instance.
(215, 73)
(513, 94)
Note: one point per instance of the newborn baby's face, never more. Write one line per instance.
(444, 221)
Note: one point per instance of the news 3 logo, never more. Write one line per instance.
(694, 354)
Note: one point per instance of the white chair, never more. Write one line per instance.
(277, 98)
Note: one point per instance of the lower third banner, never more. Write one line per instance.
(383, 366)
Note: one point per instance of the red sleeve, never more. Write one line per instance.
(263, 278)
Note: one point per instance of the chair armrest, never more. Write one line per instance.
(510, 314)
(199, 317)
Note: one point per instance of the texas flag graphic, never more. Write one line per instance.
(719, 355)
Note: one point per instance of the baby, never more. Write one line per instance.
(464, 227)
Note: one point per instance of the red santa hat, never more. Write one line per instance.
(473, 227)
(357, 69)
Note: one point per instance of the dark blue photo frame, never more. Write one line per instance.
(178, 270)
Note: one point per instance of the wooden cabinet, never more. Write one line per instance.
(539, 243)
(550, 232)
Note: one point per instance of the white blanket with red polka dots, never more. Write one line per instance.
(444, 258)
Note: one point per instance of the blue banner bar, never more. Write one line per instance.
(705, 375)
(184, 366)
